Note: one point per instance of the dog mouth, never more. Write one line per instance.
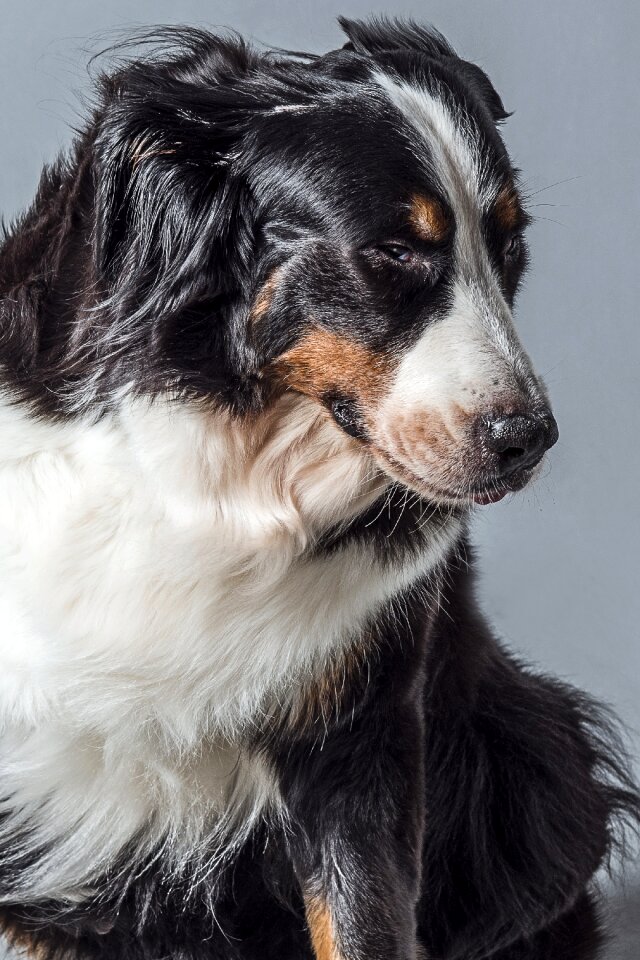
(498, 489)
(490, 491)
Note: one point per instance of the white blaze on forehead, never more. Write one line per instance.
(447, 145)
(454, 154)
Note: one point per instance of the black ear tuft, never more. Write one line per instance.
(384, 35)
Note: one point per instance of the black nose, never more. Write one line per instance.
(519, 441)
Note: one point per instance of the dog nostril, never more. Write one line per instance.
(518, 441)
(513, 453)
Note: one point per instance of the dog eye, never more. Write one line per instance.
(513, 248)
(397, 252)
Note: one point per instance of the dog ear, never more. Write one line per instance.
(477, 80)
(383, 35)
(169, 207)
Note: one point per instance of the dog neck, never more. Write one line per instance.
(163, 584)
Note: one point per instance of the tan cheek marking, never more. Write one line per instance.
(322, 362)
(429, 219)
(508, 209)
(321, 929)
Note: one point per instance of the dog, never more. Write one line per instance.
(258, 364)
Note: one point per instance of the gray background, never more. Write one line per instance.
(559, 561)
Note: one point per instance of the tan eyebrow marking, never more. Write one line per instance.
(429, 219)
(507, 208)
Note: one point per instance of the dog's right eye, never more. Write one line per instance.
(397, 252)
(404, 264)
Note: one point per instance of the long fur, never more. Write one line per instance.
(257, 361)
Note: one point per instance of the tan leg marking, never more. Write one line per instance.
(320, 926)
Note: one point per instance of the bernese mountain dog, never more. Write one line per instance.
(257, 365)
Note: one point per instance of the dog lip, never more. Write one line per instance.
(497, 490)
(489, 496)
(418, 483)
(492, 491)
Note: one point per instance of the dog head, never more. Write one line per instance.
(348, 227)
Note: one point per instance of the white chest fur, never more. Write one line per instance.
(155, 591)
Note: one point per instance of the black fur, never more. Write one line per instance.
(444, 772)
(139, 260)
(525, 790)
